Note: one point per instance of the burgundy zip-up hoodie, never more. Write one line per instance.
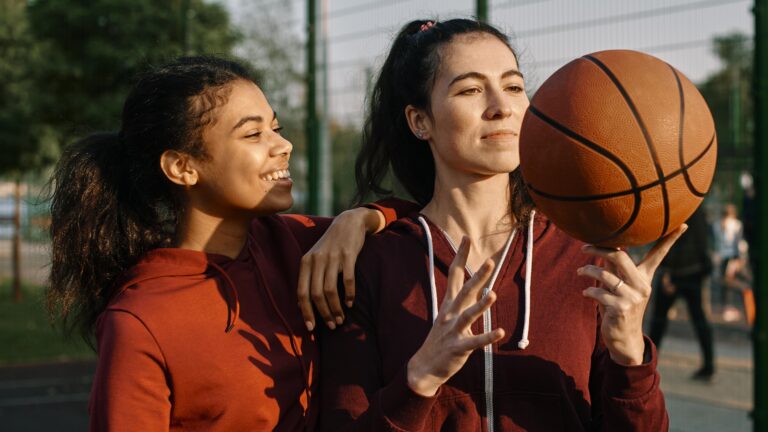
(563, 380)
(201, 342)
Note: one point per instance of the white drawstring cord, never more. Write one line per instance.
(528, 268)
(431, 252)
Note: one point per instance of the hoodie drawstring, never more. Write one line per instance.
(232, 312)
(291, 334)
(524, 342)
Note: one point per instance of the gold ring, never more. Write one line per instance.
(617, 286)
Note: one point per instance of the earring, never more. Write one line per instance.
(419, 134)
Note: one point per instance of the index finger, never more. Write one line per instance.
(348, 276)
(653, 258)
(456, 271)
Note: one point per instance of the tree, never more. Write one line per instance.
(727, 92)
(92, 49)
(22, 142)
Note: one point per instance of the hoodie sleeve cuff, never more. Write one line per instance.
(402, 407)
(631, 382)
(393, 208)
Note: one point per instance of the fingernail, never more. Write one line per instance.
(309, 325)
(580, 270)
(331, 325)
(349, 303)
(339, 320)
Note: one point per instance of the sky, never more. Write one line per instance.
(546, 34)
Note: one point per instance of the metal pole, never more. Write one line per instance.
(17, 242)
(325, 199)
(760, 333)
(313, 137)
(481, 8)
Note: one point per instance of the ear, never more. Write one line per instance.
(419, 122)
(178, 167)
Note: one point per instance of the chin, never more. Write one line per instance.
(272, 205)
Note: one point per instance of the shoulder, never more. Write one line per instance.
(402, 238)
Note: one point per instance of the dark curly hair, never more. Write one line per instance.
(111, 202)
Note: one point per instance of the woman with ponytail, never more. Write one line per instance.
(528, 329)
(167, 248)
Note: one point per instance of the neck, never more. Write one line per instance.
(476, 207)
(212, 234)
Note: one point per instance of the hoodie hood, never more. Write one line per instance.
(181, 263)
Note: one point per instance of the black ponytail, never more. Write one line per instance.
(111, 202)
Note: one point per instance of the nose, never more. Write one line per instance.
(281, 147)
(499, 105)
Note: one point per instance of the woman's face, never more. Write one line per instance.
(478, 101)
(246, 171)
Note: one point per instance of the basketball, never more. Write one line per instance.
(618, 148)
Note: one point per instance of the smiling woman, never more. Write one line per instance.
(167, 248)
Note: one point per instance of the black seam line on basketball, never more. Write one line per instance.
(610, 156)
(646, 135)
(680, 131)
(628, 191)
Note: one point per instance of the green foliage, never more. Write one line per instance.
(92, 49)
(27, 334)
(345, 143)
(22, 138)
(728, 94)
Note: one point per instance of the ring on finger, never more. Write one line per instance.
(618, 285)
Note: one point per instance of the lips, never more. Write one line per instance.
(504, 133)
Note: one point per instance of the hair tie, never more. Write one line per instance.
(426, 26)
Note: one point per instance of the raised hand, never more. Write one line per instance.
(623, 296)
(451, 341)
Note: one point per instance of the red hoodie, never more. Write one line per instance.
(563, 379)
(197, 341)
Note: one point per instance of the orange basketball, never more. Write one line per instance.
(618, 148)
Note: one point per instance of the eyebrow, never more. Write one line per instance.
(256, 118)
(478, 75)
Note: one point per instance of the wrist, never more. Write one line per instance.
(419, 381)
(373, 220)
(632, 354)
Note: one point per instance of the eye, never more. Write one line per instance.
(254, 134)
(515, 88)
(471, 91)
(278, 130)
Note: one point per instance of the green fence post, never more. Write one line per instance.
(481, 9)
(312, 122)
(760, 92)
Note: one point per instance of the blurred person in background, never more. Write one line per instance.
(729, 232)
(682, 274)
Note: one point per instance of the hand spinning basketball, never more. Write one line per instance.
(618, 148)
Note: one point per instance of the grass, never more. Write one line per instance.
(26, 334)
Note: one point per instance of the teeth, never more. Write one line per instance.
(277, 175)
